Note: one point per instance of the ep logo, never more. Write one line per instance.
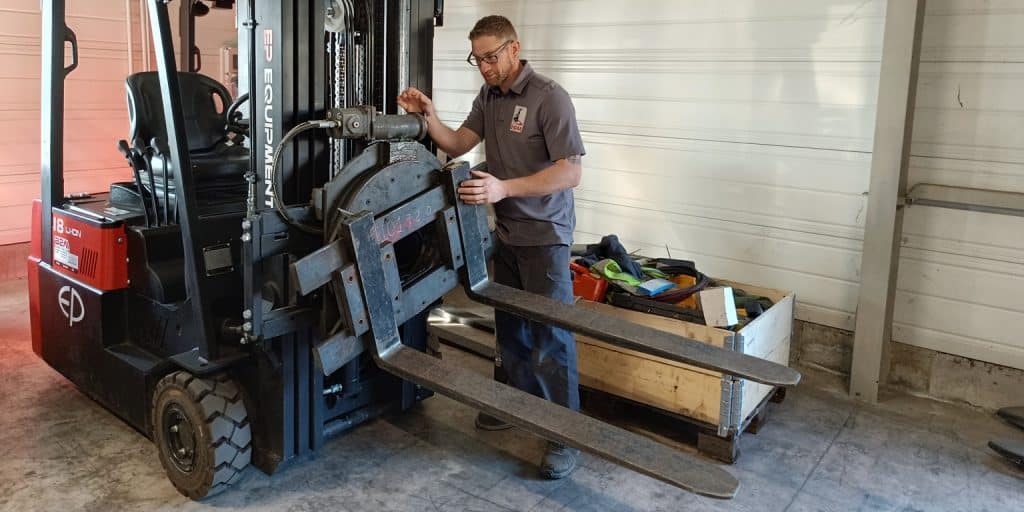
(71, 305)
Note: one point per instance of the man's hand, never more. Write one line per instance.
(453, 142)
(486, 189)
(413, 101)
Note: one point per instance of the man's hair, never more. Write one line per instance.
(497, 26)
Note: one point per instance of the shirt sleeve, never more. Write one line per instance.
(475, 120)
(558, 123)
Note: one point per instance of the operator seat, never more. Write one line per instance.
(217, 163)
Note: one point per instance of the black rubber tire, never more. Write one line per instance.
(214, 414)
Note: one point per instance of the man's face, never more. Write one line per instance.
(506, 53)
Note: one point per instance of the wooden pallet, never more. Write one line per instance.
(675, 429)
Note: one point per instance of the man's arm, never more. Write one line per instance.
(454, 142)
(561, 175)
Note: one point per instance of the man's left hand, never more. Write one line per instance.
(483, 190)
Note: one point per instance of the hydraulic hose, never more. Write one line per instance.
(275, 178)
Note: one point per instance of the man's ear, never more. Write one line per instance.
(515, 49)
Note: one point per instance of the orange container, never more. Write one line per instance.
(685, 281)
(586, 284)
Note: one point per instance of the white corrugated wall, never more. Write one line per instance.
(213, 31)
(96, 115)
(961, 273)
(739, 134)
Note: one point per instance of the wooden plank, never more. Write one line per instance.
(669, 385)
(676, 387)
(626, 353)
(662, 385)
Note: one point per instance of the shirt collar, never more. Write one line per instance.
(520, 84)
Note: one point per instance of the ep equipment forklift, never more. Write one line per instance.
(262, 282)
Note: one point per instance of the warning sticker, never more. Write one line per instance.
(62, 253)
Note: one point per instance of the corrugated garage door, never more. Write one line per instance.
(739, 134)
(96, 115)
(961, 273)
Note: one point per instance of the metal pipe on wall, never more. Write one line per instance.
(131, 39)
(883, 225)
(144, 34)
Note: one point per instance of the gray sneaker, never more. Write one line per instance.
(559, 461)
(485, 421)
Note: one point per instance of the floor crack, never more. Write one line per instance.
(842, 427)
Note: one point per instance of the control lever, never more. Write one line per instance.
(135, 161)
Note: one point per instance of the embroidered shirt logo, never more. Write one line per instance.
(518, 119)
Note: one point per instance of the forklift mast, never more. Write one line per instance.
(288, 61)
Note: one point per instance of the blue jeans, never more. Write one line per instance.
(536, 357)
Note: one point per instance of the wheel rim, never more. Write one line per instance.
(180, 438)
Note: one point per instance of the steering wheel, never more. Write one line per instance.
(233, 118)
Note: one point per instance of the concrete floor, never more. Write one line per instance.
(819, 451)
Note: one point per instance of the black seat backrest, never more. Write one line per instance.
(204, 119)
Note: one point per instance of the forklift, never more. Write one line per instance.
(262, 282)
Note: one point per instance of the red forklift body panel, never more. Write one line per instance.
(89, 248)
(34, 257)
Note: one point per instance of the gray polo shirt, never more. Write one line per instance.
(526, 131)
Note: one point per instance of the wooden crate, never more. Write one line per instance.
(725, 403)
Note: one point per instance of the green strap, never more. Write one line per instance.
(611, 271)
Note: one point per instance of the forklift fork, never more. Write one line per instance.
(363, 274)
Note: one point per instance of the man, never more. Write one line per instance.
(534, 151)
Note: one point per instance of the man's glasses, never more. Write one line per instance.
(490, 58)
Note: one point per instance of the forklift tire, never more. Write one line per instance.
(202, 433)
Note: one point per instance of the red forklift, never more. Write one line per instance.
(262, 281)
